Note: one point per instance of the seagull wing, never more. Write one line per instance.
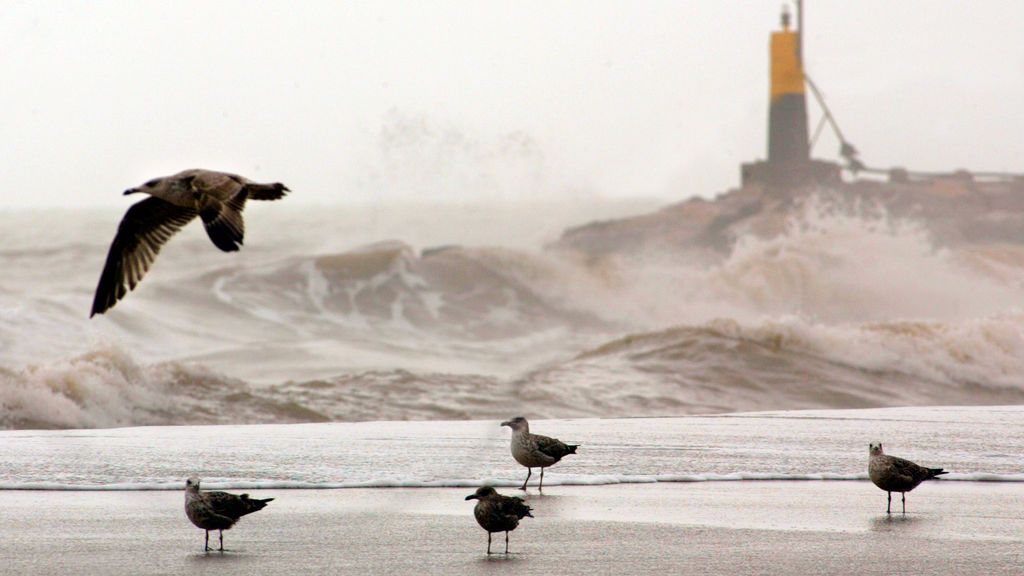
(552, 446)
(203, 515)
(909, 471)
(234, 506)
(143, 231)
(513, 506)
(226, 504)
(221, 211)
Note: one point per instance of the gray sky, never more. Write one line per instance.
(446, 100)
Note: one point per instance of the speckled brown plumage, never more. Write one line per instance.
(497, 513)
(534, 450)
(217, 510)
(218, 198)
(894, 474)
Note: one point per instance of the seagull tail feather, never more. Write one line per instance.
(274, 191)
(250, 505)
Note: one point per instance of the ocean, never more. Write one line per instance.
(464, 312)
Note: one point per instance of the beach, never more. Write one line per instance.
(766, 527)
(751, 493)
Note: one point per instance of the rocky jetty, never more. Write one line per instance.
(956, 209)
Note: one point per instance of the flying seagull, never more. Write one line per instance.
(217, 510)
(216, 197)
(894, 474)
(534, 450)
(497, 513)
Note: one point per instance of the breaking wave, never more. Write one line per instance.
(836, 311)
(725, 366)
(721, 366)
(107, 388)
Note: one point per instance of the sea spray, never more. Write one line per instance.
(840, 308)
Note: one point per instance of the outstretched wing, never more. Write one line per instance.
(223, 220)
(223, 198)
(143, 231)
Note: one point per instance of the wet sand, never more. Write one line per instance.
(775, 527)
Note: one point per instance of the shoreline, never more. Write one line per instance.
(754, 527)
(785, 446)
(739, 477)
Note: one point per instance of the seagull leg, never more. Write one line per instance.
(541, 487)
(488, 543)
(904, 494)
(506, 540)
(888, 508)
(206, 547)
(528, 472)
(221, 540)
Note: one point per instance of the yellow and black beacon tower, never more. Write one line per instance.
(788, 143)
(789, 167)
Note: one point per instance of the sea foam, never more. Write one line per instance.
(837, 310)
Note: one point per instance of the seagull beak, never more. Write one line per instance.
(471, 497)
(507, 423)
(130, 191)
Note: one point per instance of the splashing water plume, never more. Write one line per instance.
(837, 310)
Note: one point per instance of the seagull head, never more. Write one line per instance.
(875, 449)
(481, 493)
(148, 187)
(192, 483)
(517, 424)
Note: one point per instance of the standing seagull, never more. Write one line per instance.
(217, 510)
(216, 197)
(534, 450)
(894, 474)
(497, 513)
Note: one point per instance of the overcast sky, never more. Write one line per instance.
(445, 100)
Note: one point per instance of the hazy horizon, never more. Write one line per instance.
(453, 101)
